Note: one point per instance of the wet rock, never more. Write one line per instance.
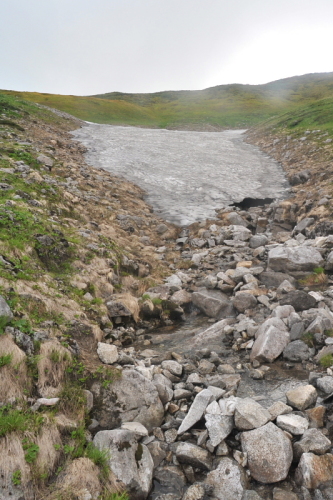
(249, 414)
(188, 453)
(261, 445)
(296, 351)
(312, 441)
(294, 424)
(314, 470)
(228, 480)
(197, 409)
(244, 301)
(302, 397)
(129, 460)
(294, 259)
(299, 300)
(107, 353)
(269, 345)
(133, 397)
(213, 303)
(219, 427)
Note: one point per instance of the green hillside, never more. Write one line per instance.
(223, 106)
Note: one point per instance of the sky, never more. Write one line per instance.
(86, 47)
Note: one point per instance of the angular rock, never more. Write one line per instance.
(284, 311)
(244, 301)
(312, 441)
(279, 408)
(164, 387)
(213, 303)
(196, 411)
(296, 351)
(294, 424)
(171, 479)
(188, 453)
(219, 427)
(277, 322)
(314, 470)
(299, 299)
(172, 366)
(129, 460)
(249, 414)
(302, 397)
(325, 384)
(133, 397)
(158, 451)
(212, 336)
(269, 345)
(294, 259)
(280, 494)
(228, 480)
(107, 353)
(261, 445)
(135, 427)
(272, 279)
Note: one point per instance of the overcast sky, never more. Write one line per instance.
(87, 47)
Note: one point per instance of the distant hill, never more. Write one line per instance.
(223, 106)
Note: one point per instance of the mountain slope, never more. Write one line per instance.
(223, 106)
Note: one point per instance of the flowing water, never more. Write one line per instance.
(186, 174)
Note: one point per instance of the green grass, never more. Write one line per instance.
(14, 420)
(6, 359)
(223, 106)
(326, 361)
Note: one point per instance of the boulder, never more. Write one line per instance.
(264, 444)
(244, 301)
(273, 279)
(299, 299)
(129, 460)
(190, 454)
(107, 353)
(258, 240)
(276, 322)
(296, 351)
(294, 259)
(269, 345)
(249, 414)
(219, 427)
(325, 384)
(197, 410)
(302, 397)
(314, 470)
(213, 303)
(123, 305)
(133, 397)
(295, 424)
(213, 336)
(312, 441)
(228, 480)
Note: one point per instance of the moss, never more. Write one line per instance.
(139, 452)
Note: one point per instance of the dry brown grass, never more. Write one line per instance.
(48, 440)
(14, 376)
(52, 364)
(131, 303)
(315, 279)
(12, 460)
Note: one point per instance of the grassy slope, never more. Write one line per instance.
(224, 106)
